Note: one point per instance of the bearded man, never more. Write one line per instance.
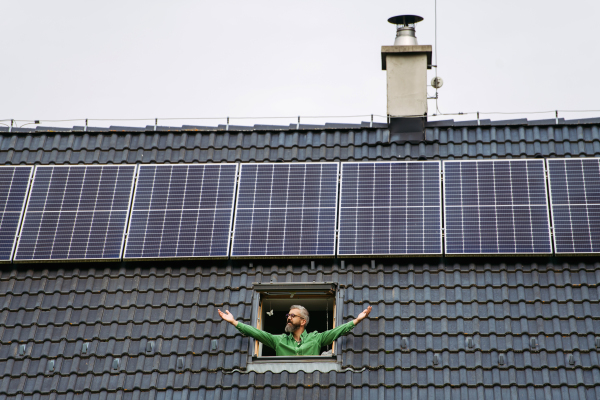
(296, 342)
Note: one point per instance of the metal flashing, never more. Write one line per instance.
(292, 367)
(296, 287)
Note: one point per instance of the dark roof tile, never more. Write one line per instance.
(517, 138)
(499, 306)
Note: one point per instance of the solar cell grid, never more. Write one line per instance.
(286, 209)
(14, 185)
(76, 213)
(496, 207)
(182, 211)
(390, 208)
(575, 204)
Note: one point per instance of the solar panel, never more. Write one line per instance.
(496, 207)
(182, 211)
(575, 204)
(286, 209)
(14, 185)
(76, 213)
(390, 208)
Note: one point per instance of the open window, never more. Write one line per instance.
(320, 299)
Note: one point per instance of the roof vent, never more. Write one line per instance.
(85, 347)
(116, 364)
(470, 343)
(501, 359)
(405, 29)
(51, 366)
(21, 350)
(180, 363)
(149, 347)
(533, 343)
(404, 343)
(436, 359)
(571, 359)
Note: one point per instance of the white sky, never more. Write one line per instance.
(182, 58)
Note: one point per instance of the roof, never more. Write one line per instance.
(330, 142)
(436, 304)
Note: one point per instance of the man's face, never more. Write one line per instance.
(293, 323)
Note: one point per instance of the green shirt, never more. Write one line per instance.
(285, 344)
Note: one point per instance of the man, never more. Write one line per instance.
(296, 342)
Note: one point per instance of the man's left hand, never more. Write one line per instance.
(363, 315)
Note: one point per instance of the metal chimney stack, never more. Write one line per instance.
(406, 64)
(405, 29)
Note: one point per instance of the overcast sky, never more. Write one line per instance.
(182, 58)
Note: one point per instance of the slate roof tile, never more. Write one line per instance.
(517, 138)
(437, 307)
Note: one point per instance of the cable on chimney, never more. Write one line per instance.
(436, 58)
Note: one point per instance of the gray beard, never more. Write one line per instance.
(290, 327)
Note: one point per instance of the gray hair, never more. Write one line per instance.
(303, 312)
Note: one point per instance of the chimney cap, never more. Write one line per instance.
(405, 19)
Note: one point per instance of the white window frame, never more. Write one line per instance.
(291, 364)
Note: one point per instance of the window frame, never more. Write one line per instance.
(275, 364)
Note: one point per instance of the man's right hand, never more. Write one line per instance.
(228, 317)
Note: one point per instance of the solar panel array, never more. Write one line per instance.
(76, 213)
(14, 185)
(182, 210)
(491, 207)
(496, 207)
(575, 203)
(286, 209)
(390, 208)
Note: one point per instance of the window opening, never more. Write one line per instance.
(270, 302)
(274, 306)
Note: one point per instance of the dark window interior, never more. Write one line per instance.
(320, 309)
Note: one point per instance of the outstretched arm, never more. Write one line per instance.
(261, 336)
(329, 336)
(228, 317)
(363, 315)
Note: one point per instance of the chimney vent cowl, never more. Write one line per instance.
(405, 29)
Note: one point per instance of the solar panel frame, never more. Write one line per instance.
(53, 260)
(231, 217)
(546, 205)
(440, 206)
(553, 210)
(20, 212)
(335, 208)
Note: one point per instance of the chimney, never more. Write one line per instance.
(406, 64)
